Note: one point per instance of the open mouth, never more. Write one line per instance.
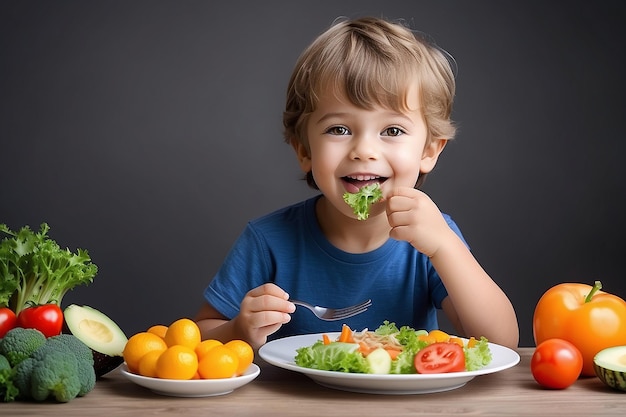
(354, 183)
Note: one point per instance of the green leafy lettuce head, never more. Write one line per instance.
(35, 270)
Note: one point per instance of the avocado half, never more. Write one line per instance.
(101, 334)
(610, 366)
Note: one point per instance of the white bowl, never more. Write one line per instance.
(193, 387)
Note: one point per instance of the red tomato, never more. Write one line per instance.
(440, 357)
(556, 363)
(8, 320)
(47, 318)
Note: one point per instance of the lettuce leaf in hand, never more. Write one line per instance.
(363, 199)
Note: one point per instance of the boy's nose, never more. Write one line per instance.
(364, 148)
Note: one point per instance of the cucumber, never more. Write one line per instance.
(610, 366)
(379, 361)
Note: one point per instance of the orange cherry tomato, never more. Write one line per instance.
(583, 315)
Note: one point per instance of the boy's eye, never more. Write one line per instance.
(392, 131)
(338, 130)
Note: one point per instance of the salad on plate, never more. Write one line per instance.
(393, 350)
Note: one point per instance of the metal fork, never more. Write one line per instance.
(331, 314)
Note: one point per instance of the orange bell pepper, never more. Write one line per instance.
(583, 315)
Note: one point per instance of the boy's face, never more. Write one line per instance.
(351, 147)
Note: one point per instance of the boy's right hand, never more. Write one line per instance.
(415, 218)
(262, 312)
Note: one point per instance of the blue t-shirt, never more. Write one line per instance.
(287, 247)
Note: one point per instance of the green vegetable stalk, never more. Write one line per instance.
(34, 270)
(363, 199)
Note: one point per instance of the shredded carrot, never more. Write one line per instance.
(346, 334)
(326, 339)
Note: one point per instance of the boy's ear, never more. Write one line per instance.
(302, 153)
(431, 154)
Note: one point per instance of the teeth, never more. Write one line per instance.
(363, 177)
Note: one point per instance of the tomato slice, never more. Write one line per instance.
(440, 357)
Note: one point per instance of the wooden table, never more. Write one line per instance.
(279, 392)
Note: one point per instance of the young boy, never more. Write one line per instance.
(368, 102)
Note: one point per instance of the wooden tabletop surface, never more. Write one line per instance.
(279, 392)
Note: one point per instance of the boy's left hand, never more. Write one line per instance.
(415, 218)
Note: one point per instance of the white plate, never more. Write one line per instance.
(194, 387)
(281, 353)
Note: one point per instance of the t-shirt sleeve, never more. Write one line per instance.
(246, 266)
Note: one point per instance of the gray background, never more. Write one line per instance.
(149, 132)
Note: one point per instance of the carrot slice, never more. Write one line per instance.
(325, 339)
(393, 353)
(364, 349)
(346, 334)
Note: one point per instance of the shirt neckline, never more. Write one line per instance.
(324, 244)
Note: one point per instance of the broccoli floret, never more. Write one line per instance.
(80, 355)
(61, 368)
(21, 376)
(8, 390)
(19, 343)
(87, 376)
(84, 356)
(4, 363)
(55, 375)
(71, 343)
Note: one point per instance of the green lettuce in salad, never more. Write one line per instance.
(478, 356)
(336, 356)
(346, 357)
(363, 199)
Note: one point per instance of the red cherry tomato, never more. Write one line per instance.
(8, 320)
(47, 318)
(439, 358)
(556, 363)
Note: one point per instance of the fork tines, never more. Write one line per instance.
(353, 310)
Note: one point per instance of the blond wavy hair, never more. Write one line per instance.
(372, 62)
